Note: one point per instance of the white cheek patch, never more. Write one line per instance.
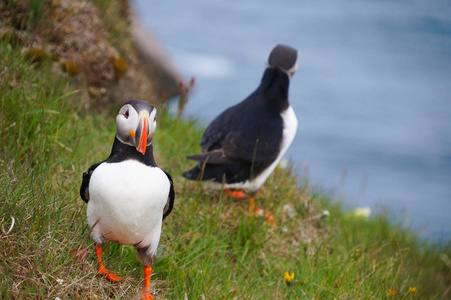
(152, 126)
(124, 125)
(121, 128)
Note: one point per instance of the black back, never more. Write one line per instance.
(247, 136)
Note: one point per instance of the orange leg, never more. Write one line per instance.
(145, 293)
(260, 212)
(252, 204)
(102, 270)
(270, 220)
(239, 194)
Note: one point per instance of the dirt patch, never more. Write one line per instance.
(74, 35)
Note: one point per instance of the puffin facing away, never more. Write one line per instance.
(242, 146)
(128, 196)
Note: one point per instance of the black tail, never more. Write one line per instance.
(193, 174)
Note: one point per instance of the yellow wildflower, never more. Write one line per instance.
(119, 64)
(288, 277)
(362, 212)
(356, 253)
(412, 290)
(391, 293)
(70, 67)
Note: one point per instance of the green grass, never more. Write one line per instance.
(211, 247)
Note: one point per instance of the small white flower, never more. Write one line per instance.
(57, 298)
(283, 164)
(259, 212)
(326, 213)
(362, 212)
(284, 229)
(289, 210)
(311, 250)
(60, 281)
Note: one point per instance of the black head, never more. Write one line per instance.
(284, 57)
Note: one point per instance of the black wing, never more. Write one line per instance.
(254, 139)
(216, 157)
(258, 145)
(84, 189)
(170, 203)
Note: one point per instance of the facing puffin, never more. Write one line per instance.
(242, 146)
(128, 196)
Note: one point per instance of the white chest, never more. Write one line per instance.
(290, 127)
(127, 200)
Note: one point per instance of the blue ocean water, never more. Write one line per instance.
(372, 92)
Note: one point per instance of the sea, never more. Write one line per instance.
(372, 92)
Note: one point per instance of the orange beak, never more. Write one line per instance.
(142, 132)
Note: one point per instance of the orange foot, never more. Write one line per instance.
(102, 270)
(146, 295)
(239, 194)
(111, 277)
(270, 220)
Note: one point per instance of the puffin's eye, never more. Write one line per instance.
(154, 119)
(126, 114)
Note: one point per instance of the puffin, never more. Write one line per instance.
(128, 196)
(242, 145)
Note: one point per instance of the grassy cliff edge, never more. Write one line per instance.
(211, 247)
